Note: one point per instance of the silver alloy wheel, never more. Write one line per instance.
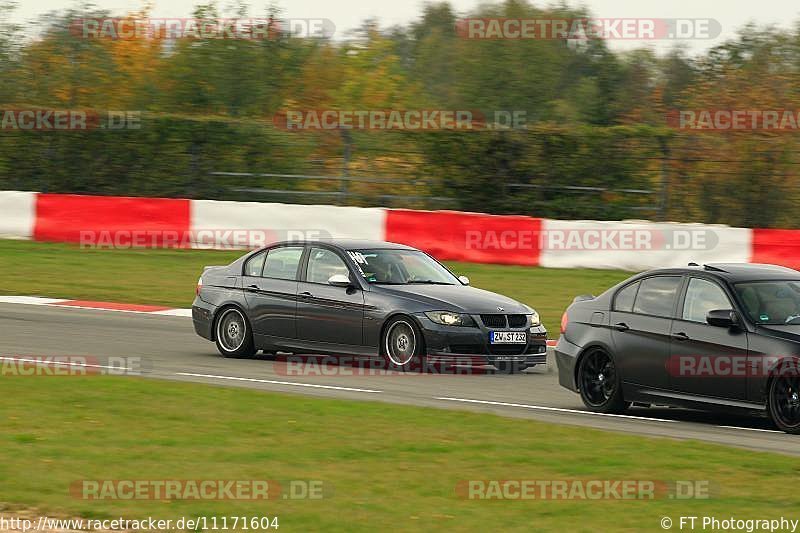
(231, 330)
(401, 343)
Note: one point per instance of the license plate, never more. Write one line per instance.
(508, 337)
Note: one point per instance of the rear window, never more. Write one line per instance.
(657, 296)
(625, 297)
(282, 263)
(254, 265)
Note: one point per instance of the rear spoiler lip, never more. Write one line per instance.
(583, 298)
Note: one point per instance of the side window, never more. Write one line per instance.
(322, 264)
(701, 297)
(625, 297)
(254, 265)
(282, 262)
(657, 296)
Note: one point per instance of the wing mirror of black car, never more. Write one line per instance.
(464, 280)
(339, 280)
(723, 318)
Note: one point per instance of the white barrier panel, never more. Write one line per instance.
(638, 245)
(17, 214)
(216, 224)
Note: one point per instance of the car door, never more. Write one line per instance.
(270, 284)
(704, 359)
(326, 313)
(641, 319)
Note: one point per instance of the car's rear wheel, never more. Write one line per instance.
(403, 346)
(233, 335)
(783, 403)
(600, 383)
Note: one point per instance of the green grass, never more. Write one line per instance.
(168, 277)
(381, 465)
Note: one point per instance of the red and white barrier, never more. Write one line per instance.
(260, 222)
(17, 214)
(448, 235)
(640, 245)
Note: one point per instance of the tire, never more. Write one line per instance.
(783, 402)
(600, 383)
(234, 337)
(403, 346)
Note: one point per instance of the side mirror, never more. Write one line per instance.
(339, 280)
(723, 318)
(464, 280)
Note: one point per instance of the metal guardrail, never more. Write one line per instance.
(343, 192)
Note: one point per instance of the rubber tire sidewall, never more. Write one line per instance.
(247, 349)
(614, 405)
(419, 360)
(793, 430)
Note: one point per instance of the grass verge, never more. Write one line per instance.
(380, 464)
(168, 277)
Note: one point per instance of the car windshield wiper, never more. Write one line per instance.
(427, 282)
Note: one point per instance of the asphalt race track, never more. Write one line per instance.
(169, 349)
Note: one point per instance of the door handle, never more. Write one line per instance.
(681, 336)
(252, 288)
(621, 326)
(306, 294)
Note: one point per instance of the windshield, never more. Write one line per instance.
(401, 267)
(771, 302)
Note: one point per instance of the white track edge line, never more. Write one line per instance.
(275, 382)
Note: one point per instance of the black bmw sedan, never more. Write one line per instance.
(362, 298)
(722, 336)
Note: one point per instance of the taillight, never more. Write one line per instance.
(564, 322)
(199, 286)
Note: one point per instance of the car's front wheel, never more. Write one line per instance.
(600, 383)
(403, 346)
(233, 335)
(783, 403)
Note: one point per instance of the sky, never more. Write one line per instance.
(348, 14)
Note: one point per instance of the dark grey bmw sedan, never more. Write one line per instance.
(362, 298)
(718, 336)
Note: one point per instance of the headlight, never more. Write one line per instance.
(535, 319)
(446, 318)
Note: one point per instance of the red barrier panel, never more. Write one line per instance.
(111, 221)
(776, 246)
(474, 237)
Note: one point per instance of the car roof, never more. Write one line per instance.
(735, 272)
(351, 244)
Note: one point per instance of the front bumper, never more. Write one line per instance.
(470, 345)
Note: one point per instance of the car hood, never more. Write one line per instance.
(456, 298)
